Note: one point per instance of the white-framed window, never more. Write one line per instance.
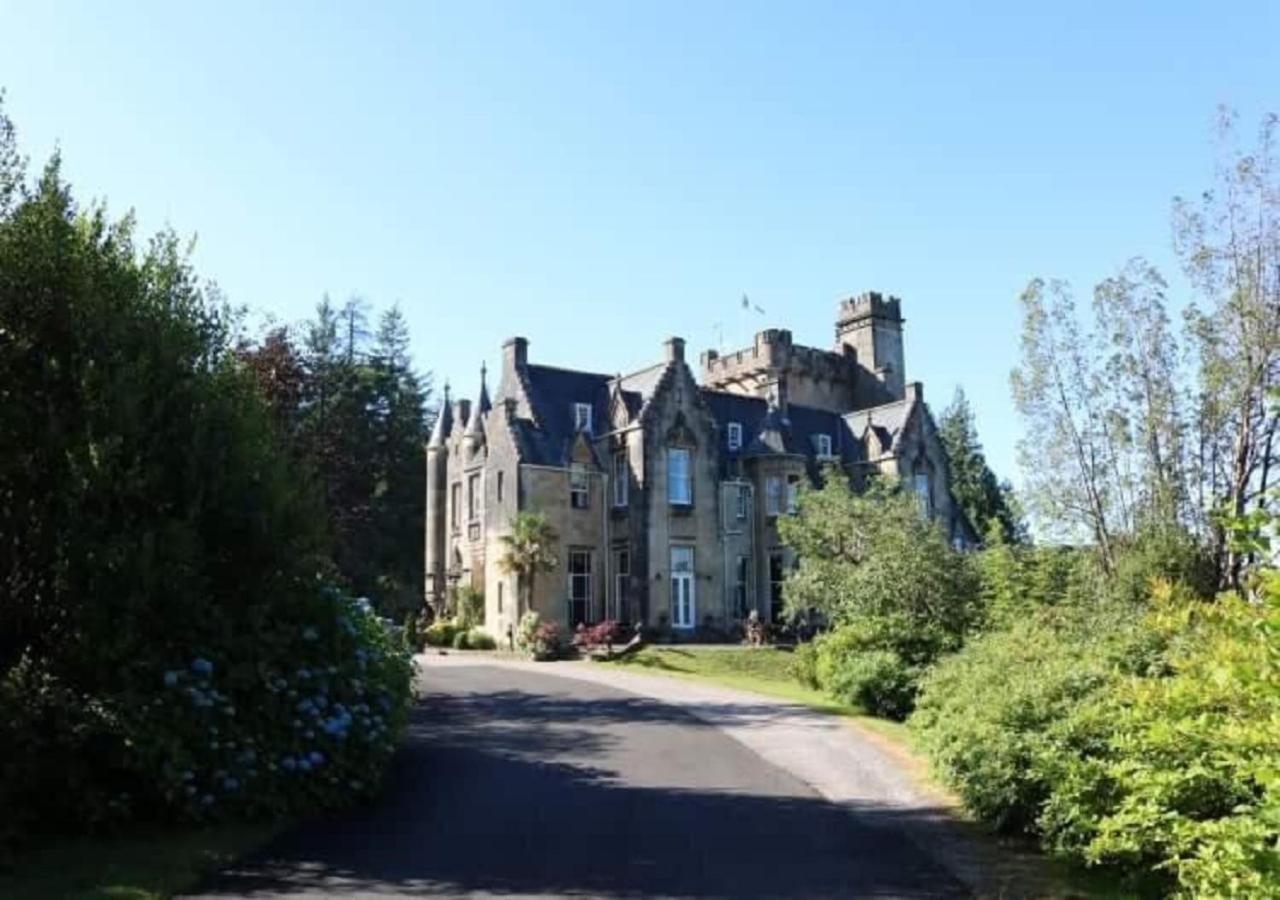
(621, 478)
(579, 493)
(744, 501)
(683, 609)
(924, 495)
(793, 493)
(582, 417)
(499, 488)
(679, 477)
(824, 446)
(773, 495)
(500, 598)
(734, 433)
(579, 587)
(455, 504)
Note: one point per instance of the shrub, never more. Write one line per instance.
(441, 633)
(470, 607)
(804, 664)
(602, 634)
(460, 640)
(541, 640)
(169, 649)
(878, 681)
(1175, 769)
(988, 715)
(478, 639)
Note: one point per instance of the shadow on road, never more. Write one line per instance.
(536, 793)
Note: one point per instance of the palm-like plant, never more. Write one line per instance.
(529, 548)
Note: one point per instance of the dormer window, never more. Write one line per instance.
(824, 446)
(582, 417)
(735, 435)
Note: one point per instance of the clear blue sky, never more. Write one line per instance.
(597, 176)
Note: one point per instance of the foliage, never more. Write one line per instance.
(354, 410)
(1175, 769)
(804, 664)
(528, 549)
(163, 563)
(871, 560)
(442, 633)
(541, 640)
(988, 714)
(470, 607)
(601, 634)
(479, 639)
(987, 502)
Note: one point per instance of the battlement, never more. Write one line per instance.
(774, 351)
(868, 305)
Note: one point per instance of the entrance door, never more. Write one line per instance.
(683, 613)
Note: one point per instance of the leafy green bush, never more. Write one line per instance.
(169, 650)
(1176, 769)
(989, 715)
(878, 681)
(460, 640)
(478, 639)
(442, 633)
(804, 664)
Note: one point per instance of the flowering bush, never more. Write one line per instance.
(542, 640)
(312, 727)
(602, 634)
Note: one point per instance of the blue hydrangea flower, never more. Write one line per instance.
(317, 758)
(171, 678)
(201, 666)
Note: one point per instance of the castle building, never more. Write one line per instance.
(665, 489)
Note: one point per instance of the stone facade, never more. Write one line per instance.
(664, 489)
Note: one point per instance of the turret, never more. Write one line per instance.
(437, 492)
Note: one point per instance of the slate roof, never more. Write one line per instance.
(887, 422)
(552, 393)
(765, 432)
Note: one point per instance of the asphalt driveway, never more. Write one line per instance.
(512, 782)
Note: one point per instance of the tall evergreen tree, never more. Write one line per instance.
(987, 501)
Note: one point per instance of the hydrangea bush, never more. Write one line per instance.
(314, 725)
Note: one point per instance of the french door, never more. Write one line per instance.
(683, 602)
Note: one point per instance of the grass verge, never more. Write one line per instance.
(765, 670)
(147, 866)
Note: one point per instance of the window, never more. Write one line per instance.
(773, 495)
(740, 585)
(777, 575)
(579, 587)
(582, 417)
(500, 480)
(682, 589)
(924, 496)
(621, 580)
(793, 493)
(499, 598)
(621, 478)
(824, 446)
(455, 504)
(578, 491)
(735, 435)
(744, 500)
(679, 478)
(473, 497)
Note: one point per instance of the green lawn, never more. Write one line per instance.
(149, 866)
(766, 670)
